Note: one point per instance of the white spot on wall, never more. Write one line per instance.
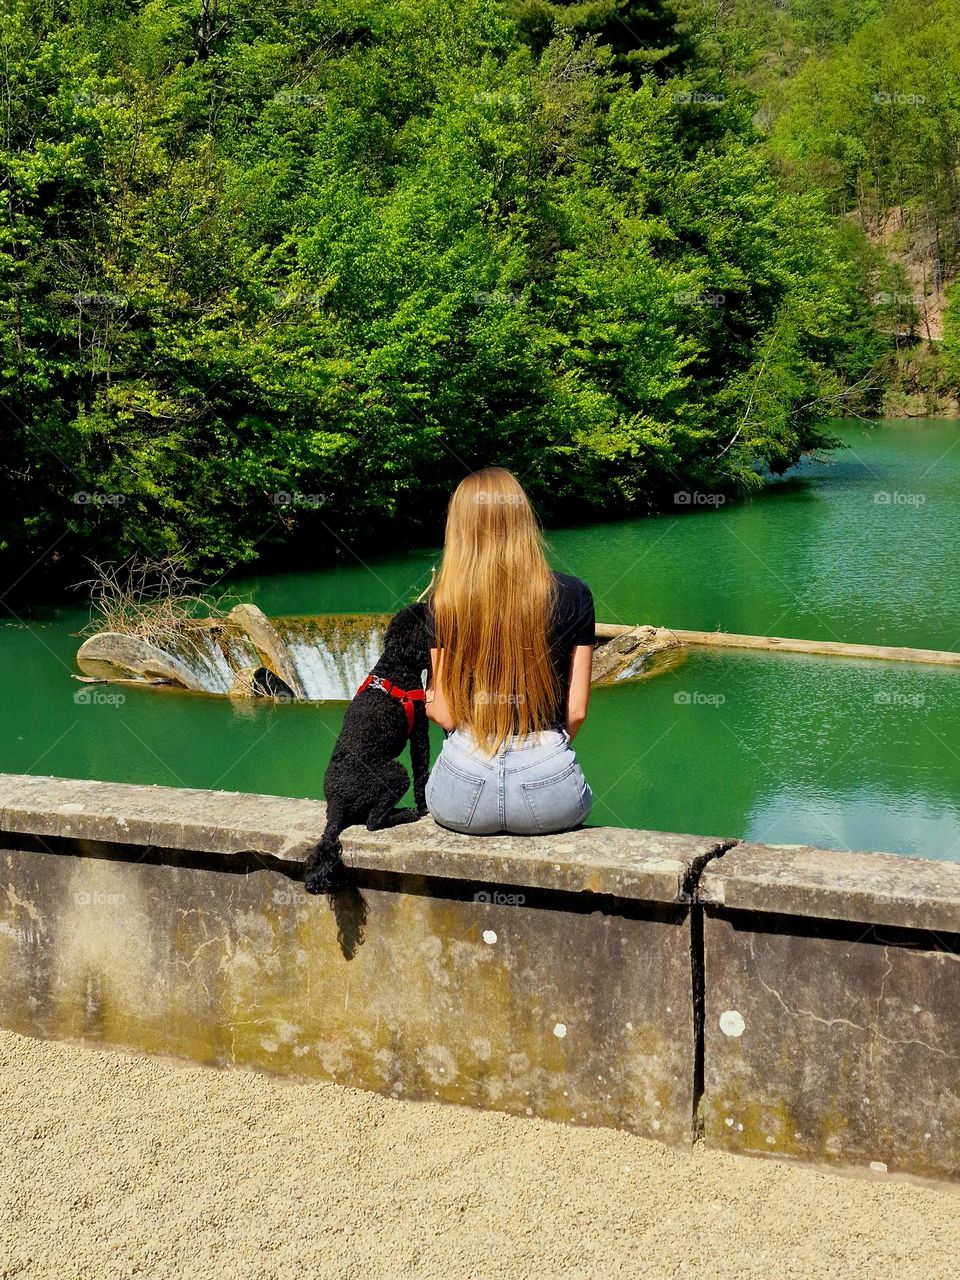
(489, 936)
(732, 1023)
(482, 1048)
(438, 1062)
(560, 1030)
(71, 808)
(878, 1166)
(771, 1140)
(729, 1122)
(656, 1124)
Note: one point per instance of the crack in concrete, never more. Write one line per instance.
(689, 892)
(846, 1022)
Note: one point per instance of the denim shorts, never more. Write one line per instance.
(532, 786)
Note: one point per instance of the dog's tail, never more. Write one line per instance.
(324, 871)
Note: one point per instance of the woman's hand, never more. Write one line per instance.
(578, 699)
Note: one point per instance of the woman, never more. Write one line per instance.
(511, 649)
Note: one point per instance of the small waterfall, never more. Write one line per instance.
(213, 655)
(333, 654)
(329, 655)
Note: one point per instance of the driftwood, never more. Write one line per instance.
(628, 651)
(828, 648)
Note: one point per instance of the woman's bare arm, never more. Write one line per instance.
(436, 704)
(578, 699)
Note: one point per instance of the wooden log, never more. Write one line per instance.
(825, 648)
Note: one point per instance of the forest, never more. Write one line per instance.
(272, 278)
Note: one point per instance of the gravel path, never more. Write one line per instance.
(112, 1165)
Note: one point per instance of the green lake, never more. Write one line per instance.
(770, 747)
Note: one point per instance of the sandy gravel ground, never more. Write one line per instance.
(112, 1165)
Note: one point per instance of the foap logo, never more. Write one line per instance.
(498, 899)
(492, 498)
(86, 99)
(496, 299)
(687, 498)
(84, 499)
(99, 301)
(706, 298)
(894, 698)
(293, 98)
(97, 898)
(695, 698)
(896, 99)
(308, 500)
(696, 98)
(488, 98)
(496, 699)
(883, 498)
(98, 698)
(883, 299)
(303, 301)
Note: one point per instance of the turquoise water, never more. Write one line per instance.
(778, 748)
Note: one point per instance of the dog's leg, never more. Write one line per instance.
(383, 811)
(420, 758)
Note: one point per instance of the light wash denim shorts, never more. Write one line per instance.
(532, 786)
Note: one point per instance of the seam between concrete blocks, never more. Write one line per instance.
(690, 893)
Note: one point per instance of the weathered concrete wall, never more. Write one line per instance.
(781, 1001)
(548, 977)
(832, 1027)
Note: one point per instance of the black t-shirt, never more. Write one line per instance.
(572, 623)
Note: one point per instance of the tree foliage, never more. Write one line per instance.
(280, 275)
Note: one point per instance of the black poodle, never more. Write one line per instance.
(364, 780)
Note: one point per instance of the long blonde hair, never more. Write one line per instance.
(492, 607)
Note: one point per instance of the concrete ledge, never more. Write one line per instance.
(821, 884)
(650, 865)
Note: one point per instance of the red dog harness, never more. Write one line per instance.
(407, 696)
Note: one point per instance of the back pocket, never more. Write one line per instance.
(452, 796)
(558, 803)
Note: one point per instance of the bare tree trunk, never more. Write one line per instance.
(205, 28)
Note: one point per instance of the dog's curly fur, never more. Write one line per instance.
(364, 780)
